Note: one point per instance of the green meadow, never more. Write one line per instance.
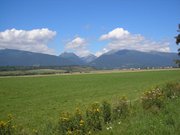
(36, 100)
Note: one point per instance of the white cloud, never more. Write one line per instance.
(76, 43)
(33, 40)
(122, 39)
(117, 33)
(79, 46)
(99, 53)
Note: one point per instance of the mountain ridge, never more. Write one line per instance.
(114, 59)
(10, 57)
(134, 59)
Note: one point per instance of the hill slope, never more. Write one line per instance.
(134, 59)
(10, 57)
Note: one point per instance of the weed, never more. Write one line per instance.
(6, 127)
(120, 108)
(93, 116)
(153, 99)
(172, 90)
(106, 111)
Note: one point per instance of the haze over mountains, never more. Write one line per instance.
(109, 60)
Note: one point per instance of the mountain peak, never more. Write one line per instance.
(72, 57)
(89, 58)
(68, 54)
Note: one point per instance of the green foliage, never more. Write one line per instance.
(79, 124)
(93, 116)
(106, 112)
(72, 124)
(141, 122)
(42, 70)
(172, 90)
(120, 108)
(152, 99)
(65, 123)
(6, 127)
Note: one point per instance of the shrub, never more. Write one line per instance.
(93, 116)
(106, 111)
(6, 127)
(172, 90)
(65, 123)
(79, 124)
(120, 108)
(152, 99)
(72, 124)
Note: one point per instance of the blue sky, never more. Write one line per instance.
(54, 26)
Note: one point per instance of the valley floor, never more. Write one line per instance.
(49, 72)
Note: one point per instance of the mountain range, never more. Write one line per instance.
(109, 60)
(134, 59)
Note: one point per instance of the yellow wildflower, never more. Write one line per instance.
(81, 121)
(97, 110)
(2, 124)
(13, 127)
(35, 131)
(65, 119)
(69, 132)
(10, 116)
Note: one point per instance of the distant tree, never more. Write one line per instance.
(177, 42)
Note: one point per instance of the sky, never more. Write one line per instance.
(89, 26)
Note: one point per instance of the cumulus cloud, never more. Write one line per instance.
(33, 40)
(79, 46)
(117, 33)
(76, 43)
(122, 39)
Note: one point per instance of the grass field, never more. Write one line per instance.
(36, 100)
